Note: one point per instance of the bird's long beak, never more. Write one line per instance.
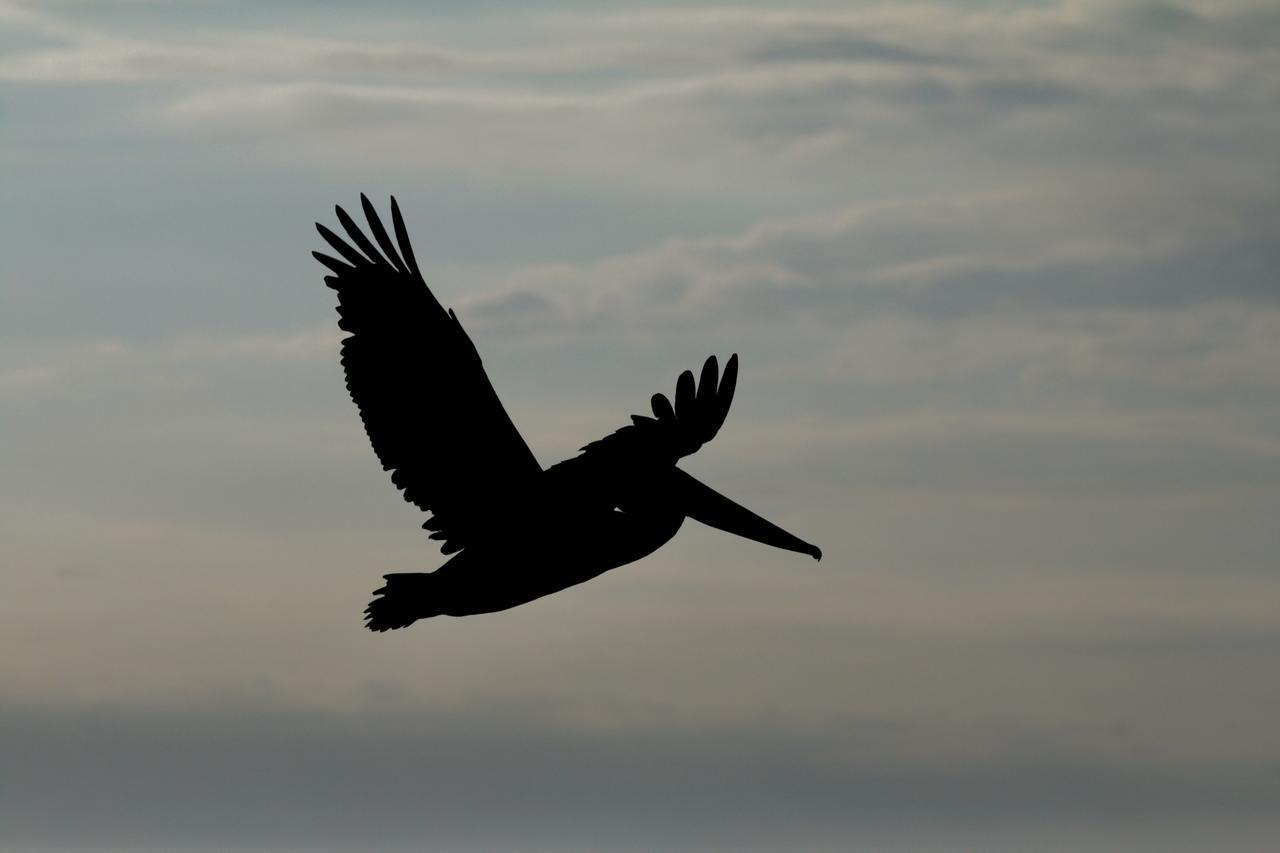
(700, 501)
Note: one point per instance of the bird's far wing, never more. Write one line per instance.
(427, 405)
(675, 430)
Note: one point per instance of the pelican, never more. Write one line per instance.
(515, 532)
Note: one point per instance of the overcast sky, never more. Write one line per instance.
(1003, 279)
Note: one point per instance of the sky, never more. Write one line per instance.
(1004, 280)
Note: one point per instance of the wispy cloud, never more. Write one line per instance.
(872, 73)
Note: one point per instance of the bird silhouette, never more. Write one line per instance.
(516, 532)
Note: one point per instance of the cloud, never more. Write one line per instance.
(1065, 80)
(504, 781)
(1089, 365)
(1032, 251)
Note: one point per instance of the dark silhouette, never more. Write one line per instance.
(518, 532)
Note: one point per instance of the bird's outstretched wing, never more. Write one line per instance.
(427, 404)
(675, 430)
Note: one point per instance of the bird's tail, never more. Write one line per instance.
(404, 600)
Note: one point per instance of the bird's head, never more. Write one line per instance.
(701, 502)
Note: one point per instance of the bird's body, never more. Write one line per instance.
(520, 567)
(517, 532)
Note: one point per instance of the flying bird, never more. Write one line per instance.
(516, 532)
